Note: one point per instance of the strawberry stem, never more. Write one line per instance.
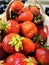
(17, 42)
(29, 61)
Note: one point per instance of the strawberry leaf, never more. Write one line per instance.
(17, 47)
(17, 42)
(29, 61)
(38, 38)
(3, 25)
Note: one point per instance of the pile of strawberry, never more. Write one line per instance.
(23, 37)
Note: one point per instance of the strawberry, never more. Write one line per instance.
(25, 16)
(29, 61)
(23, 10)
(34, 9)
(42, 55)
(16, 6)
(43, 34)
(28, 45)
(11, 27)
(17, 58)
(28, 29)
(2, 52)
(12, 43)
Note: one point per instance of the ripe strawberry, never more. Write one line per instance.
(2, 52)
(34, 9)
(29, 61)
(42, 55)
(25, 16)
(19, 58)
(23, 10)
(11, 27)
(43, 34)
(15, 59)
(16, 6)
(28, 29)
(12, 43)
(28, 45)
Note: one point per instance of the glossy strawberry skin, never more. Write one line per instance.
(28, 29)
(42, 55)
(28, 45)
(43, 34)
(5, 43)
(25, 16)
(27, 61)
(16, 6)
(15, 59)
(12, 27)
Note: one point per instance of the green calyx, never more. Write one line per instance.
(38, 18)
(38, 38)
(3, 25)
(29, 61)
(35, 14)
(17, 42)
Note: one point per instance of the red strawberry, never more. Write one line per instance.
(28, 29)
(28, 45)
(34, 9)
(25, 16)
(43, 34)
(2, 52)
(16, 6)
(29, 61)
(11, 27)
(23, 10)
(20, 59)
(15, 59)
(42, 55)
(12, 43)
